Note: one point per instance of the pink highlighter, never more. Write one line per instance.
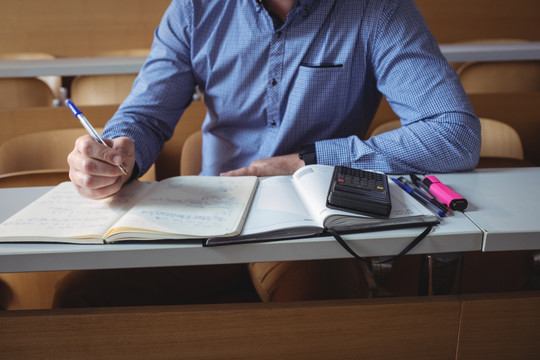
(445, 195)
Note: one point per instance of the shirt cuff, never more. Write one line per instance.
(334, 152)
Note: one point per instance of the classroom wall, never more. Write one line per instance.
(465, 20)
(76, 28)
(83, 28)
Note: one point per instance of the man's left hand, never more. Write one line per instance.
(277, 165)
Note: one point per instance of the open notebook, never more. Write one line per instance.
(183, 207)
(286, 207)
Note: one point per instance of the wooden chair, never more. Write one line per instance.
(125, 52)
(101, 89)
(497, 77)
(24, 162)
(35, 159)
(191, 157)
(500, 140)
(24, 92)
(23, 158)
(386, 126)
(42, 150)
(50, 177)
(54, 82)
(32, 290)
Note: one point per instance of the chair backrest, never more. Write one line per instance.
(24, 92)
(101, 89)
(34, 178)
(37, 159)
(42, 150)
(40, 158)
(386, 126)
(497, 77)
(54, 82)
(499, 140)
(191, 158)
(25, 56)
(125, 52)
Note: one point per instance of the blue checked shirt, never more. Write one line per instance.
(272, 87)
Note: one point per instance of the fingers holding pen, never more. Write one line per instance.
(95, 159)
(124, 154)
(94, 168)
(103, 191)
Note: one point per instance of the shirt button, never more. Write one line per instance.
(279, 33)
(273, 123)
(273, 82)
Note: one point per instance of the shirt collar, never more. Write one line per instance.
(304, 5)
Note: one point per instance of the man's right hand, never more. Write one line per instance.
(93, 167)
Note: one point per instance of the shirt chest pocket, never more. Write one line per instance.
(316, 94)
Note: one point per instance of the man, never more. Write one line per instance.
(285, 83)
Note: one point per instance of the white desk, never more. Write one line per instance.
(491, 51)
(71, 66)
(410, 319)
(455, 234)
(504, 205)
(501, 217)
(132, 64)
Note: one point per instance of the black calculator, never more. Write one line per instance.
(360, 191)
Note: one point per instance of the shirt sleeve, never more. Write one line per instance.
(440, 132)
(161, 92)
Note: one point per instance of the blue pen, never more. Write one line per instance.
(419, 198)
(79, 115)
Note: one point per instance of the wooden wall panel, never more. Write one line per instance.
(500, 327)
(464, 20)
(82, 28)
(484, 326)
(406, 328)
(67, 28)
